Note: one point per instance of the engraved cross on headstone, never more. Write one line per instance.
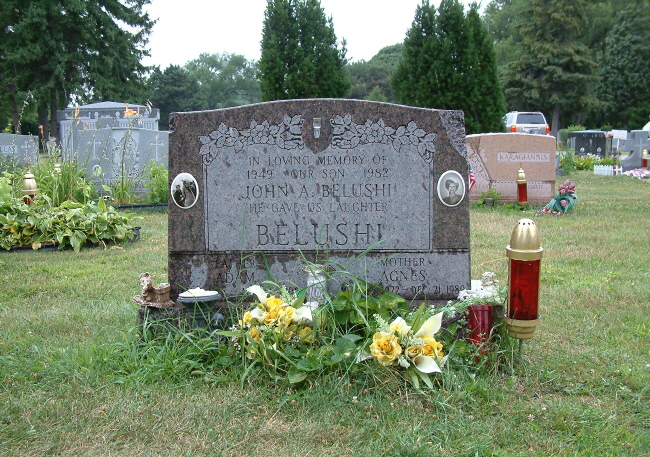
(155, 144)
(94, 143)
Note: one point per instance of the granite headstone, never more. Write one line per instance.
(112, 144)
(588, 142)
(637, 141)
(378, 189)
(18, 149)
(495, 159)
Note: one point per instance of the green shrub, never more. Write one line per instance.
(71, 224)
(63, 181)
(571, 128)
(157, 183)
(585, 162)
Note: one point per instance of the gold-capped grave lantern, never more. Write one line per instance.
(30, 189)
(524, 270)
(522, 188)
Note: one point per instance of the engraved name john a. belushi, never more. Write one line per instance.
(366, 188)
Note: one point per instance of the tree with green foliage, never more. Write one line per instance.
(371, 80)
(623, 69)
(63, 49)
(447, 63)
(225, 80)
(489, 105)
(555, 71)
(174, 90)
(300, 54)
(501, 18)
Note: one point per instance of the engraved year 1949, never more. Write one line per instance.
(264, 173)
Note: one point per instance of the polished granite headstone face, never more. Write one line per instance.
(379, 189)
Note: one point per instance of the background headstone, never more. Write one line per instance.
(102, 135)
(496, 157)
(636, 142)
(259, 189)
(17, 150)
(587, 142)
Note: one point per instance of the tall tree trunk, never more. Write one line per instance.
(15, 112)
(54, 125)
(555, 124)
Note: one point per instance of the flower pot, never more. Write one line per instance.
(488, 201)
(479, 323)
(199, 310)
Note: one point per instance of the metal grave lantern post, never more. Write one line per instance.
(30, 189)
(524, 268)
(522, 188)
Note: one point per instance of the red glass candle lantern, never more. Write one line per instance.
(524, 257)
(522, 188)
(479, 323)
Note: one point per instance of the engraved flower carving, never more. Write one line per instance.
(223, 137)
(287, 135)
(344, 132)
(375, 132)
(411, 134)
(347, 135)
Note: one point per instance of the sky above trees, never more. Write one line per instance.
(187, 29)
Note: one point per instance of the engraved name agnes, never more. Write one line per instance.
(276, 194)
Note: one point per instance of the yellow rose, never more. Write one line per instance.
(247, 318)
(306, 336)
(287, 317)
(289, 332)
(385, 347)
(272, 303)
(276, 316)
(432, 348)
(255, 333)
(414, 351)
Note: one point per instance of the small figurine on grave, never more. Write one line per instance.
(154, 297)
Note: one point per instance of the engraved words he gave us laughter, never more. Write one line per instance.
(348, 196)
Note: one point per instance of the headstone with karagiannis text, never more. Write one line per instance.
(496, 159)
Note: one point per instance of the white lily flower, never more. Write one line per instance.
(426, 364)
(259, 292)
(257, 314)
(302, 313)
(400, 327)
(430, 326)
(312, 304)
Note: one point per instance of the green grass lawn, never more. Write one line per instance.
(73, 381)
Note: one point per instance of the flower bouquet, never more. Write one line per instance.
(274, 321)
(412, 347)
(564, 200)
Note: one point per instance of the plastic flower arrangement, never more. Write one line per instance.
(639, 173)
(399, 343)
(564, 200)
(276, 320)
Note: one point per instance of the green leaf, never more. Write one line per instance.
(308, 364)
(295, 375)
(77, 240)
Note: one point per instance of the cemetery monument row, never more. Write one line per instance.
(380, 189)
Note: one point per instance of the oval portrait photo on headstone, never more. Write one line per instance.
(185, 190)
(451, 188)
